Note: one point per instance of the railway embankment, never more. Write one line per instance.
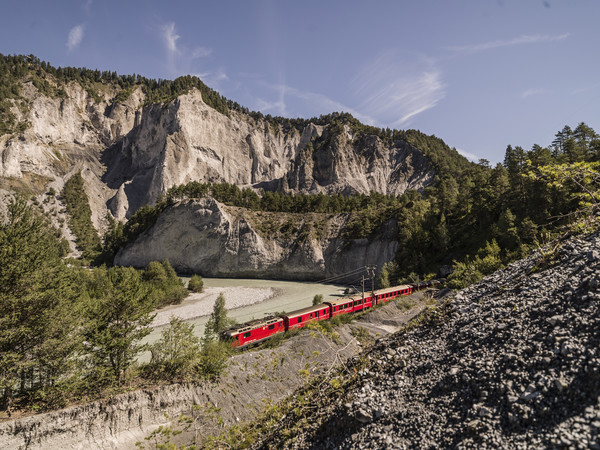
(254, 380)
(510, 362)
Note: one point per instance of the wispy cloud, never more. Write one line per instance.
(584, 89)
(87, 6)
(180, 57)
(468, 155)
(532, 92)
(524, 39)
(307, 103)
(75, 37)
(170, 37)
(201, 52)
(395, 92)
(212, 79)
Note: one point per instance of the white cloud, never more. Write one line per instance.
(532, 92)
(170, 36)
(212, 79)
(180, 57)
(468, 155)
(584, 89)
(87, 6)
(311, 103)
(75, 37)
(201, 52)
(266, 106)
(524, 39)
(394, 92)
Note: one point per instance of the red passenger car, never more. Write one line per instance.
(340, 306)
(297, 319)
(253, 332)
(385, 295)
(360, 303)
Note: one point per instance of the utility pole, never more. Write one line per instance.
(363, 289)
(371, 272)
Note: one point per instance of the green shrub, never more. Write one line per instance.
(167, 287)
(196, 283)
(176, 354)
(213, 359)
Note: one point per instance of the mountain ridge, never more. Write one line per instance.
(136, 147)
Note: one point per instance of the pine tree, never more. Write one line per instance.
(38, 312)
(118, 320)
(218, 320)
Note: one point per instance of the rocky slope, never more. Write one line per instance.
(511, 362)
(206, 237)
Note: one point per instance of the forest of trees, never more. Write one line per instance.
(68, 332)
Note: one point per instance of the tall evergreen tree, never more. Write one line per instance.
(38, 317)
(119, 317)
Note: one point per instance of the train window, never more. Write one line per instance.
(247, 334)
(271, 327)
(311, 315)
(299, 319)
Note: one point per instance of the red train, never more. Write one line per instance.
(258, 330)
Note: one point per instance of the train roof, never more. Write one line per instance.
(308, 310)
(393, 289)
(340, 301)
(257, 323)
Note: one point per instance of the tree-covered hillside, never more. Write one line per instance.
(474, 216)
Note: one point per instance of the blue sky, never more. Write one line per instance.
(479, 74)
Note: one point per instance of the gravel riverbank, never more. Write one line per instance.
(201, 304)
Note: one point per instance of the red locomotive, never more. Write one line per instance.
(257, 331)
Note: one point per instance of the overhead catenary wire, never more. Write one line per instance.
(344, 275)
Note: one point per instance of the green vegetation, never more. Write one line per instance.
(39, 312)
(118, 316)
(175, 355)
(215, 353)
(317, 299)
(504, 212)
(80, 216)
(119, 234)
(196, 283)
(68, 333)
(218, 320)
(167, 287)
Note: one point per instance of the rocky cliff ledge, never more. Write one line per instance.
(206, 237)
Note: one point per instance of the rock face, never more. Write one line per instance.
(206, 237)
(137, 152)
(510, 362)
